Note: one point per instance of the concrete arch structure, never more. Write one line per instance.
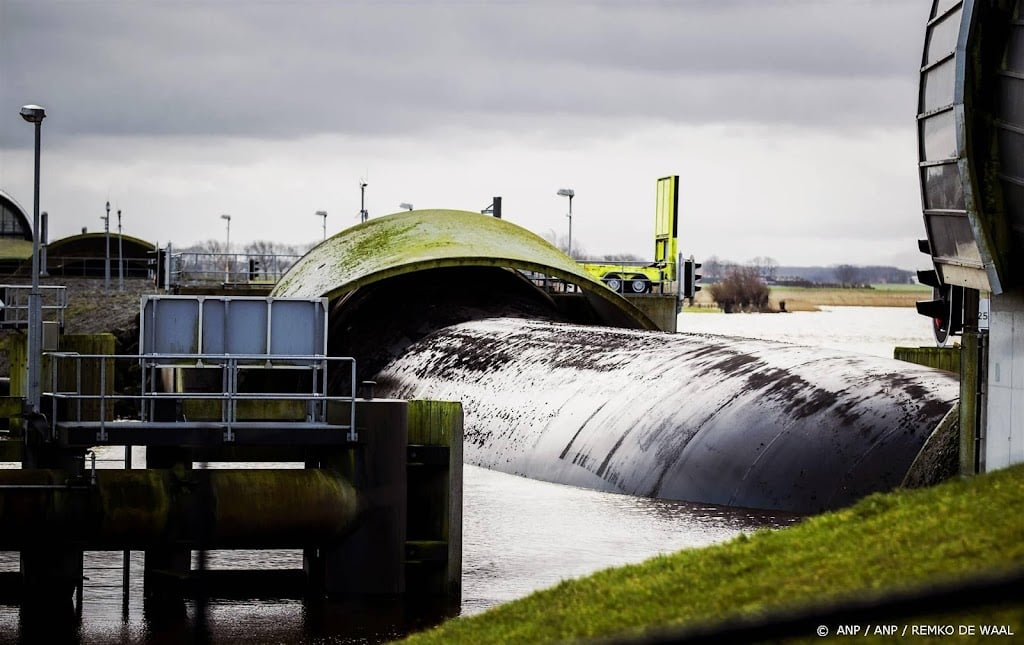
(423, 240)
(84, 255)
(15, 233)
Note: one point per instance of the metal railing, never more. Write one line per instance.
(189, 268)
(14, 304)
(620, 276)
(557, 285)
(70, 403)
(82, 266)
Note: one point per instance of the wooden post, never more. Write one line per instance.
(434, 546)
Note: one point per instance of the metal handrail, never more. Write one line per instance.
(190, 267)
(230, 366)
(14, 311)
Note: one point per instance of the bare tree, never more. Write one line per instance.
(765, 266)
(713, 268)
(848, 275)
(561, 242)
(269, 258)
(621, 257)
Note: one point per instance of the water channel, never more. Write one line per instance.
(519, 535)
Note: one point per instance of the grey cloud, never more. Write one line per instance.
(284, 69)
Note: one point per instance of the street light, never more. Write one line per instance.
(34, 114)
(570, 193)
(227, 249)
(323, 214)
(405, 205)
(106, 258)
(120, 254)
(363, 214)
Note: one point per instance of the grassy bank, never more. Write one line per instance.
(886, 542)
(811, 298)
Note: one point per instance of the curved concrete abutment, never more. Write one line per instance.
(417, 242)
(680, 416)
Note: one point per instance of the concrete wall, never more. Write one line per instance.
(663, 310)
(941, 358)
(1004, 436)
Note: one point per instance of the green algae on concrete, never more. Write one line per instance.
(413, 241)
(941, 358)
(434, 516)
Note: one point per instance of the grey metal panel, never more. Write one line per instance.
(943, 189)
(942, 35)
(234, 325)
(246, 326)
(938, 137)
(213, 339)
(937, 86)
(942, 6)
(290, 331)
(171, 325)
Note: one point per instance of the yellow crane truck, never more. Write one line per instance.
(644, 277)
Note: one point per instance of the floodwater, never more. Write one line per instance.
(865, 330)
(519, 535)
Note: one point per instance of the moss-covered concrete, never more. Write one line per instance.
(413, 241)
(434, 524)
(941, 358)
(663, 310)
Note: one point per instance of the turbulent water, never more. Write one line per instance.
(519, 535)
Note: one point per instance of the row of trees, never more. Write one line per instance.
(715, 268)
(737, 287)
(842, 275)
(211, 257)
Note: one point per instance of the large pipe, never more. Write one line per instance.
(139, 509)
(681, 416)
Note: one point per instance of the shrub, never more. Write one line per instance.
(742, 289)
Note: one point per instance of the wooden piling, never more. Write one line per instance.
(434, 542)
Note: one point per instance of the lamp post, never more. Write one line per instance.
(405, 206)
(34, 114)
(120, 254)
(106, 258)
(323, 214)
(570, 193)
(227, 248)
(363, 215)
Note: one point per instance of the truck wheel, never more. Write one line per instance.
(639, 285)
(614, 283)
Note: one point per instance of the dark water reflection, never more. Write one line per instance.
(519, 536)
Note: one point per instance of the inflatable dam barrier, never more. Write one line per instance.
(680, 416)
(589, 395)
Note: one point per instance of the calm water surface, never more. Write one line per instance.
(519, 535)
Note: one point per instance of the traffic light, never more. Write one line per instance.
(155, 265)
(254, 269)
(690, 277)
(946, 306)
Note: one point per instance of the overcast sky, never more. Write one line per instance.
(790, 123)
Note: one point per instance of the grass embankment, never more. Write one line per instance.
(886, 542)
(811, 298)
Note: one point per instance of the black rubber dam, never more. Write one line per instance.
(552, 392)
